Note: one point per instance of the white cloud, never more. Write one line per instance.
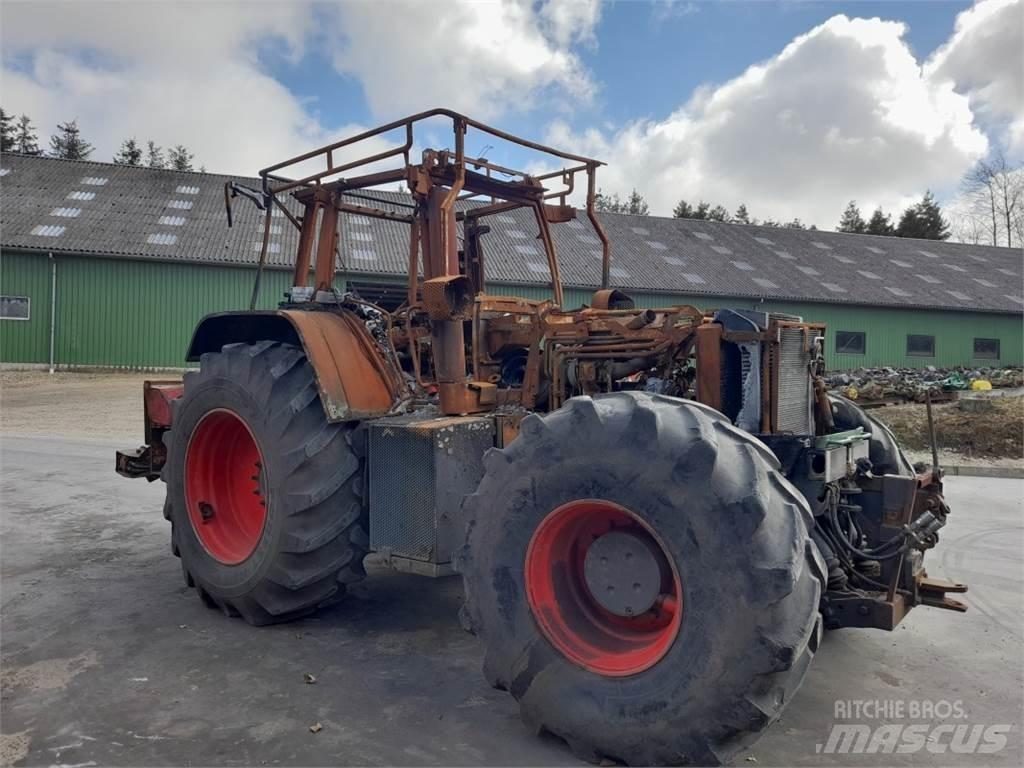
(842, 112)
(193, 73)
(983, 60)
(485, 58)
(173, 72)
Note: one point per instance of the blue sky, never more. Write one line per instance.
(649, 57)
(793, 108)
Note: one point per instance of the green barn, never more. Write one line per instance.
(112, 266)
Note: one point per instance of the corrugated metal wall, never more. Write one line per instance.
(124, 313)
(26, 341)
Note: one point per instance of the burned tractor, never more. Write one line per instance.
(655, 512)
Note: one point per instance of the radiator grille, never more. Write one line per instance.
(794, 414)
(402, 492)
(420, 471)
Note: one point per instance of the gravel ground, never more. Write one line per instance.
(73, 404)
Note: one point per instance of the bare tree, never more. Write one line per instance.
(994, 189)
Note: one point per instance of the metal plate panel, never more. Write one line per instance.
(420, 470)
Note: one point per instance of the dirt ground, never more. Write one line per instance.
(993, 437)
(73, 404)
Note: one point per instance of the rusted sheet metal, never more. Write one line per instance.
(709, 365)
(448, 298)
(351, 373)
(157, 397)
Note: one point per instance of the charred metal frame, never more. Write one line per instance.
(454, 344)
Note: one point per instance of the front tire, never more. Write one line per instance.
(737, 568)
(264, 495)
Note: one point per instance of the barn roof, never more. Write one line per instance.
(103, 209)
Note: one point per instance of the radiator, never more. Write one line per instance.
(794, 409)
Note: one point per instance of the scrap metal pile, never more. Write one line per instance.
(912, 384)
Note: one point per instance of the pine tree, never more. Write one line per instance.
(880, 224)
(68, 143)
(180, 159)
(741, 216)
(6, 131)
(795, 224)
(701, 211)
(683, 210)
(718, 213)
(26, 142)
(930, 214)
(851, 220)
(636, 204)
(923, 220)
(154, 156)
(129, 154)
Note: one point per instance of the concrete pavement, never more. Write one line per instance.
(108, 659)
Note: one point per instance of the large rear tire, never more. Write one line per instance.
(264, 495)
(724, 646)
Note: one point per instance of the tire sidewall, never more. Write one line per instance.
(716, 614)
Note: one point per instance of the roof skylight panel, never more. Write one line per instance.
(47, 230)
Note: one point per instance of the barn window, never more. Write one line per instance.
(15, 307)
(986, 349)
(851, 342)
(920, 346)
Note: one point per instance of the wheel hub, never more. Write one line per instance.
(225, 486)
(602, 587)
(622, 573)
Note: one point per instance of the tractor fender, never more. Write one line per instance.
(353, 378)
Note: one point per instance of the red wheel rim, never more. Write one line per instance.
(224, 486)
(568, 614)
